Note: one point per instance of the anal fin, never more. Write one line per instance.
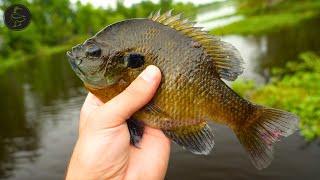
(136, 129)
(197, 139)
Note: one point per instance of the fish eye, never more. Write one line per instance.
(93, 51)
(134, 60)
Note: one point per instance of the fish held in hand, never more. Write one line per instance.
(193, 64)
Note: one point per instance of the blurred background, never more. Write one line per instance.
(40, 96)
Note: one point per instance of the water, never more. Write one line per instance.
(222, 16)
(39, 109)
(41, 100)
(262, 53)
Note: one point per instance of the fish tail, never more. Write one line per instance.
(265, 127)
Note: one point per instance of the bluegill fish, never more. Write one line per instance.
(193, 64)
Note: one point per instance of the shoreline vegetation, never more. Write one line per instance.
(292, 88)
(267, 16)
(263, 19)
(64, 24)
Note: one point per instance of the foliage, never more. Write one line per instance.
(263, 24)
(295, 88)
(57, 25)
(270, 15)
(61, 23)
(253, 7)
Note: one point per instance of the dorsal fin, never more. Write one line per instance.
(226, 58)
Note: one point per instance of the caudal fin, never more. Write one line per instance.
(268, 127)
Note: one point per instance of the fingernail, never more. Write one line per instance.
(149, 74)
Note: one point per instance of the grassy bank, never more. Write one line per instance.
(294, 88)
(269, 19)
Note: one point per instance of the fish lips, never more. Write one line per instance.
(76, 56)
(75, 61)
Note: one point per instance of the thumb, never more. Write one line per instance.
(116, 111)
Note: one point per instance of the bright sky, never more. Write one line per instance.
(112, 3)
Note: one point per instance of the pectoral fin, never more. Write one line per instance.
(136, 129)
(197, 139)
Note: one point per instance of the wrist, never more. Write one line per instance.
(87, 165)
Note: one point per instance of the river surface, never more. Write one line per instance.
(41, 100)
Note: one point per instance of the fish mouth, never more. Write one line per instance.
(75, 61)
(76, 57)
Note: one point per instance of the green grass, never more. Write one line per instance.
(263, 24)
(261, 21)
(295, 89)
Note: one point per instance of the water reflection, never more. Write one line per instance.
(16, 132)
(262, 53)
(25, 92)
(285, 45)
(40, 104)
(205, 19)
(228, 160)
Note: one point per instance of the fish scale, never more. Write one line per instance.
(192, 92)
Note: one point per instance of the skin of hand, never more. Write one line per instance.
(103, 149)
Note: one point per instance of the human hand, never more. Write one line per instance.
(103, 149)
